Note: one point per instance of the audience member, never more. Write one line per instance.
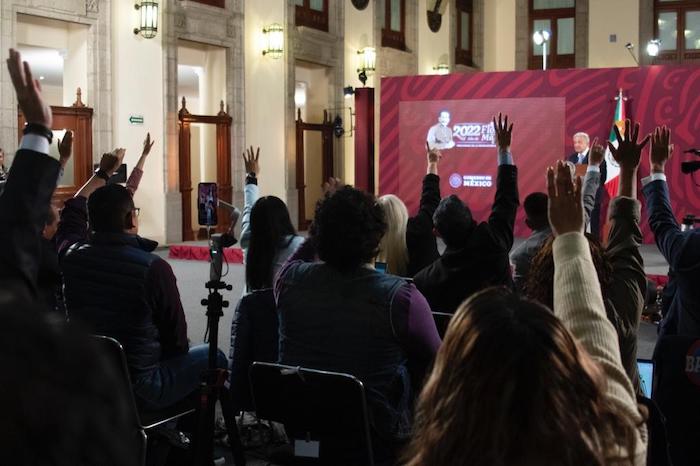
(117, 287)
(59, 407)
(476, 255)
(409, 244)
(342, 315)
(680, 248)
(619, 265)
(268, 237)
(514, 384)
(535, 206)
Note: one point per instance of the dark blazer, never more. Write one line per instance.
(23, 207)
(482, 261)
(682, 251)
(420, 240)
(603, 167)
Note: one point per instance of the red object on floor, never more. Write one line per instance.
(201, 253)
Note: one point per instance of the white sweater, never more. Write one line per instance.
(578, 302)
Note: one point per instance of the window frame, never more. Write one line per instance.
(554, 59)
(307, 16)
(390, 38)
(462, 56)
(680, 54)
(216, 3)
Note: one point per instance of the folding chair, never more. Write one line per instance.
(142, 421)
(324, 413)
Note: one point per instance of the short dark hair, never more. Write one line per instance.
(109, 209)
(453, 220)
(535, 206)
(348, 227)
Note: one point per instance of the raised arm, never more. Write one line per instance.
(430, 194)
(578, 300)
(592, 179)
(251, 192)
(132, 184)
(505, 205)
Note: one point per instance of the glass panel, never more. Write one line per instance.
(395, 24)
(668, 29)
(464, 31)
(565, 36)
(692, 30)
(541, 25)
(549, 4)
(317, 5)
(299, 2)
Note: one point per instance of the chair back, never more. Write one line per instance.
(676, 390)
(113, 351)
(325, 413)
(254, 337)
(442, 321)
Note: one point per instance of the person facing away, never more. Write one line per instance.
(116, 286)
(409, 243)
(535, 206)
(516, 384)
(476, 255)
(342, 315)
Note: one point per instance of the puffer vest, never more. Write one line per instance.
(105, 289)
(342, 322)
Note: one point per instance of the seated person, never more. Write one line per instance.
(535, 206)
(476, 255)
(619, 265)
(680, 248)
(342, 315)
(517, 384)
(117, 287)
(409, 244)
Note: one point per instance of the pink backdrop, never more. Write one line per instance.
(547, 109)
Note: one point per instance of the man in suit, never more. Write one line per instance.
(680, 248)
(580, 156)
(476, 254)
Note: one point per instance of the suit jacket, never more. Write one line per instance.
(603, 166)
(23, 207)
(682, 251)
(482, 261)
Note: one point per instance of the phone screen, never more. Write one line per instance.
(207, 202)
(380, 267)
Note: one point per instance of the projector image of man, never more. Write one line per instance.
(440, 135)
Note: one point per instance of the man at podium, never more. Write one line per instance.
(580, 157)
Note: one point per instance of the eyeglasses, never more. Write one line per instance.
(136, 210)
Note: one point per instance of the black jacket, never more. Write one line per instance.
(482, 261)
(573, 158)
(420, 240)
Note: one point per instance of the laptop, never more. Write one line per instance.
(646, 375)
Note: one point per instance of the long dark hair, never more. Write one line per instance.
(511, 386)
(269, 224)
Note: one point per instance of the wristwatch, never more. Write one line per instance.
(40, 130)
(100, 173)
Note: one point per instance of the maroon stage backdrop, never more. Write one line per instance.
(547, 108)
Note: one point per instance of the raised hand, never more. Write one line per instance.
(597, 153)
(65, 148)
(503, 132)
(111, 161)
(331, 186)
(250, 159)
(565, 203)
(28, 90)
(628, 152)
(147, 145)
(661, 149)
(434, 156)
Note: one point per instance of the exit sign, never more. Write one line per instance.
(136, 119)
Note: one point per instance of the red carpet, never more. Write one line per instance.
(201, 253)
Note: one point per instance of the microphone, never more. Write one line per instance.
(693, 151)
(690, 167)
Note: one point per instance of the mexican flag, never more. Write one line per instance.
(611, 184)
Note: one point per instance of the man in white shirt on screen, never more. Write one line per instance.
(440, 135)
